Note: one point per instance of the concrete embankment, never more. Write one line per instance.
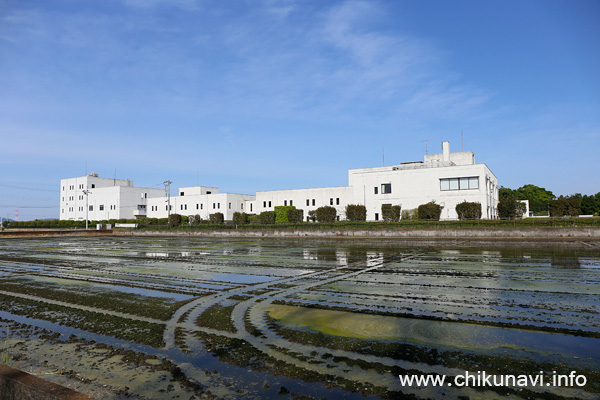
(19, 385)
(571, 233)
(8, 233)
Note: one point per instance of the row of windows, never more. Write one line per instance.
(459, 183)
(81, 186)
(308, 202)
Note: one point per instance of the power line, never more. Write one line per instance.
(20, 206)
(29, 188)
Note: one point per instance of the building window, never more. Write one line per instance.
(197, 206)
(208, 192)
(181, 207)
(285, 202)
(459, 183)
(264, 204)
(337, 201)
(307, 202)
(331, 201)
(376, 191)
(242, 206)
(386, 188)
(313, 202)
(250, 207)
(214, 206)
(230, 206)
(91, 208)
(376, 215)
(181, 193)
(63, 210)
(291, 203)
(219, 206)
(269, 204)
(201, 206)
(101, 207)
(93, 185)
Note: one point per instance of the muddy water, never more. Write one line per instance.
(282, 318)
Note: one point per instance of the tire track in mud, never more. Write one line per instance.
(271, 344)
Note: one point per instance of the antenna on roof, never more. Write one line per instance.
(426, 145)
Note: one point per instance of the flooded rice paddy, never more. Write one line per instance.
(164, 317)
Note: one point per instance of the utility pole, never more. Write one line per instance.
(168, 193)
(86, 192)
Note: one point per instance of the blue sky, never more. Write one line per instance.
(264, 95)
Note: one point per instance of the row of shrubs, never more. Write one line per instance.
(282, 214)
(507, 209)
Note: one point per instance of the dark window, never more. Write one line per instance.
(337, 201)
(269, 204)
(219, 205)
(93, 185)
(386, 188)
(307, 202)
(264, 204)
(376, 215)
(285, 202)
(250, 207)
(331, 201)
(181, 193)
(291, 203)
(208, 192)
(230, 206)
(91, 208)
(101, 207)
(376, 191)
(313, 202)
(214, 206)
(197, 206)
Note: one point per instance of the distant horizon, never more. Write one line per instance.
(284, 94)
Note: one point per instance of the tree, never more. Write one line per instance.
(506, 193)
(281, 214)
(538, 197)
(510, 209)
(326, 214)
(295, 215)
(239, 218)
(390, 213)
(266, 217)
(355, 212)
(216, 218)
(588, 205)
(466, 210)
(564, 206)
(429, 211)
(174, 220)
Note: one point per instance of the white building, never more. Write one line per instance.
(446, 178)
(105, 199)
(201, 200)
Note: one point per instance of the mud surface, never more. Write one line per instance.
(173, 317)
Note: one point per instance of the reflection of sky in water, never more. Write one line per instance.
(111, 287)
(240, 278)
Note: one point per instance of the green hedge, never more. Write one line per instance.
(216, 218)
(239, 218)
(295, 215)
(468, 210)
(266, 217)
(510, 208)
(356, 212)
(390, 213)
(281, 213)
(326, 214)
(429, 211)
